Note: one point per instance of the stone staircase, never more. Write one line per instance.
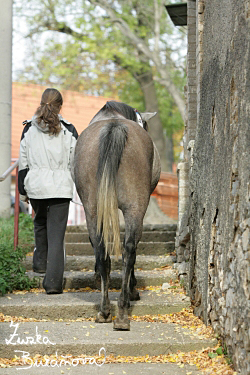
(60, 317)
(153, 252)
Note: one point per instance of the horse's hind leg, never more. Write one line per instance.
(102, 268)
(98, 265)
(132, 237)
(133, 292)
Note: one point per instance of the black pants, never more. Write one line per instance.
(50, 223)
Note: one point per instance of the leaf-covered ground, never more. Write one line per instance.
(209, 360)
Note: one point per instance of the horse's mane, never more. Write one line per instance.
(112, 107)
(124, 109)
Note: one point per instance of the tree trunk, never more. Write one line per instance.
(163, 143)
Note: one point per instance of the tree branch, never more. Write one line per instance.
(56, 26)
(139, 44)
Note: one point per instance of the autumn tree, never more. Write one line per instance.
(123, 41)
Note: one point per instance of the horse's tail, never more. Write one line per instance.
(112, 141)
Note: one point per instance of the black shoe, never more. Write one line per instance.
(53, 291)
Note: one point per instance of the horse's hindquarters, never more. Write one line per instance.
(117, 164)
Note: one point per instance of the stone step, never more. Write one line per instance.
(147, 236)
(53, 337)
(146, 248)
(107, 369)
(74, 305)
(146, 228)
(88, 338)
(76, 279)
(143, 248)
(78, 263)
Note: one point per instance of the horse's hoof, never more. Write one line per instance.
(121, 324)
(134, 295)
(102, 319)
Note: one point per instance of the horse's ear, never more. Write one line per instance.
(148, 115)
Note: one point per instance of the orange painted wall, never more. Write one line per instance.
(166, 193)
(79, 109)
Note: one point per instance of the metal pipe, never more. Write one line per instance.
(17, 199)
(16, 213)
(9, 170)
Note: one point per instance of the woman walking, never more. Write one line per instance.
(46, 155)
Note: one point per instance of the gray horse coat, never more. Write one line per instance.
(116, 166)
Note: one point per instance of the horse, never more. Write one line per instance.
(116, 166)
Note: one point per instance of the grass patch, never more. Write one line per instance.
(26, 230)
(12, 272)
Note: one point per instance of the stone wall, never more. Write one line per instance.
(219, 206)
(184, 169)
(191, 71)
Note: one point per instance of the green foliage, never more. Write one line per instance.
(12, 272)
(130, 92)
(228, 357)
(182, 282)
(170, 116)
(219, 351)
(26, 231)
(88, 53)
(212, 355)
(90, 49)
(229, 360)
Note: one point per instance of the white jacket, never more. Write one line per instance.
(45, 161)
